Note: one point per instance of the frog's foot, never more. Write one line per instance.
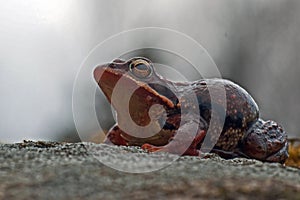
(152, 148)
(178, 146)
(171, 149)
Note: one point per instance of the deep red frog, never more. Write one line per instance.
(243, 134)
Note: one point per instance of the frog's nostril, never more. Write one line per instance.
(112, 65)
(118, 60)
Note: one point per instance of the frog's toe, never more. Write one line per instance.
(151, 148)
(172, 149)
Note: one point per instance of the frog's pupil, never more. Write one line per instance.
(141, 67)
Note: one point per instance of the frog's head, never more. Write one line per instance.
(266, 141)
(138, 77)
(136, 71)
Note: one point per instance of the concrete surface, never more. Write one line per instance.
(48, 170)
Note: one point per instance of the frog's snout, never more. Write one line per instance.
(98, 71)
(266, 141)
(97, 74)
(116, 64)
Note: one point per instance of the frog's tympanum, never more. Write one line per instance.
(243, 134)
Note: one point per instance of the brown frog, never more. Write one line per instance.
(243, 134)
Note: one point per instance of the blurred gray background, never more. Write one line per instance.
(254, 43)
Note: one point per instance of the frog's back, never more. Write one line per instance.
(239, 109)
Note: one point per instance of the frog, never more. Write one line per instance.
(241, 134)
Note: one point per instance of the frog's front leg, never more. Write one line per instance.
(114, 136)
(183, 143)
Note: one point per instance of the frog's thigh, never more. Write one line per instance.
(114, 136)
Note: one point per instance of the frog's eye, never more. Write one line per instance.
(140, 68)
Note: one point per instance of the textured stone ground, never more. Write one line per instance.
(73, 171)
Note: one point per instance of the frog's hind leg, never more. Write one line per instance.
(266, 141)
(181, 145)
(114, 136)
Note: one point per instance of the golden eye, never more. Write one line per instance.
(140, 68)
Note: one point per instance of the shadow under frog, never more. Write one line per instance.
(243, 134)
